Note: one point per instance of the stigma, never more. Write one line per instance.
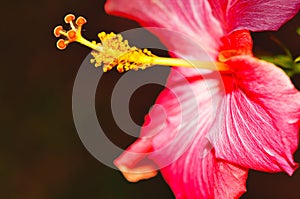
(114, 52)
(74, 34)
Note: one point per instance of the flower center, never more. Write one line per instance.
(237, 43)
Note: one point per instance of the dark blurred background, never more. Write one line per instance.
(41, 155)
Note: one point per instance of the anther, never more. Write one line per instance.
(114, 52)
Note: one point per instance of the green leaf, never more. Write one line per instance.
(297, 59)
(298, 31)
(289, 73)
(297, 68)
(284, 61)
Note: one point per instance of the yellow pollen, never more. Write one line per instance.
(115, 52)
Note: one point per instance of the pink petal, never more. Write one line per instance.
(259, 117)
(193, 19)
(204, 21)
(176, 127)
(192, 177)
(254, 15)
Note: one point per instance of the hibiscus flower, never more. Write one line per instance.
(204, 133)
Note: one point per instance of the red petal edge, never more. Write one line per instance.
(259, 117)
(254, 15)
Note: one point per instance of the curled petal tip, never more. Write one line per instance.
(69, 18)
(138, 173)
